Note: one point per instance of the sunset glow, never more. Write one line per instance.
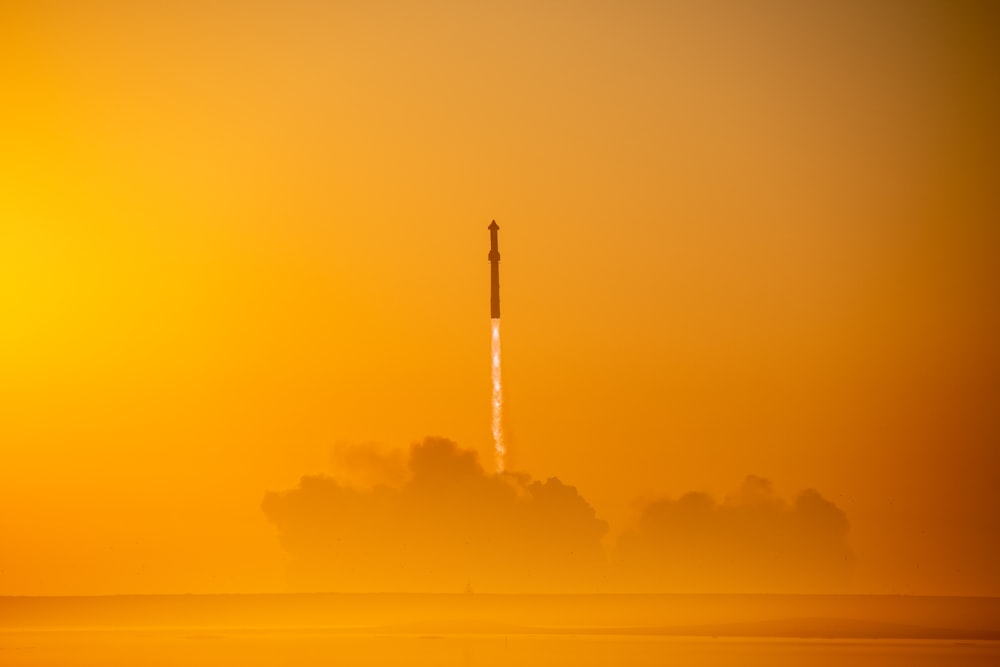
(751, 304)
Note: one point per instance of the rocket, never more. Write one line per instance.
(494, 272)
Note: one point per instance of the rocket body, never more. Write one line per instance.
(494, 272)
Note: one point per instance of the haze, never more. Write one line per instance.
(747, 249)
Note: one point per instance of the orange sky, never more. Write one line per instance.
(737, 239)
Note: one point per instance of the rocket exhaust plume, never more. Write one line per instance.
(498, 447)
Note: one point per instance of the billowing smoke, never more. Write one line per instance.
(450, 525)
(434, 520)
(751, 542)
(498, 445)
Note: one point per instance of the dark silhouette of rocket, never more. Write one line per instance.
(494, 272)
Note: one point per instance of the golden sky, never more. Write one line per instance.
(240, 239)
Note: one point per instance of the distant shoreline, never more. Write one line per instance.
(653, 615)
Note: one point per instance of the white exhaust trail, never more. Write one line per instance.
(498, 445)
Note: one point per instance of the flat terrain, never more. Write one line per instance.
(788, 616)
(307, 648)
(582, 630)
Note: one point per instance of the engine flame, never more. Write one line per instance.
(498, 445)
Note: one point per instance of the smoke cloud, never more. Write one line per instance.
(753, 541)
(368, 465)
(449, 526)
(434, 520)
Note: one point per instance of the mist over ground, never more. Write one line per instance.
(437, 521)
